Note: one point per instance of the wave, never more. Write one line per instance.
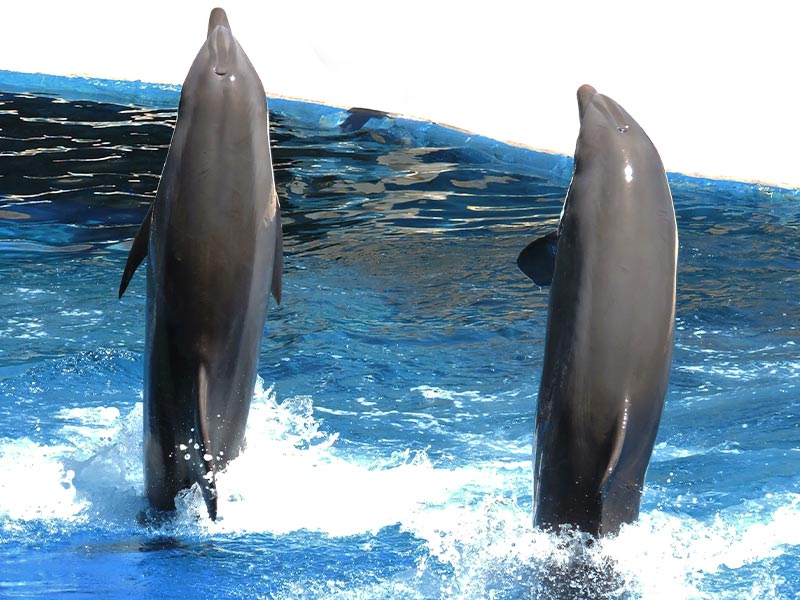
(474, 521)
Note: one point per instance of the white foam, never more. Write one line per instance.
(303, 482)
(474, 519)
(493, 549)
(35, 484)
(663, 452)
(434, 393)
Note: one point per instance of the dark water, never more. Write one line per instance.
(389, 445)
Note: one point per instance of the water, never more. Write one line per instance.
(390, 438)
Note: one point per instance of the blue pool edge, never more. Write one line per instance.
(428, 134)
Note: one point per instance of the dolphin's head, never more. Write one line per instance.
(604, 123)
(221, 77)
(610, 140)
(597, 107)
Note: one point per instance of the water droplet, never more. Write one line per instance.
(186, 456)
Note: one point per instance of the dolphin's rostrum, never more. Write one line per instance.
(214, 246)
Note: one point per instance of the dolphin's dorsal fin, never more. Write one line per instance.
(538, 259)
(204, 462)
(277, 265)
(617, 443)
(138, 250)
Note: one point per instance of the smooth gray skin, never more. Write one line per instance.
(213, 236)
(609, 329)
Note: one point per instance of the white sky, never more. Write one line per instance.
(714, 83)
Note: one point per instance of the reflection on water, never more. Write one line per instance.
(389, 200)
(434, 222)
(88, 170)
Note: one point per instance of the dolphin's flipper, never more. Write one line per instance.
(204, 462)
(358, 117)
(138, 250)
(617, 443)
(538, 259)
(277, 265)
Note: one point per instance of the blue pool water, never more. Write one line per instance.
(389, 445)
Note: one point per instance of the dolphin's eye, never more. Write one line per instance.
(622, 129)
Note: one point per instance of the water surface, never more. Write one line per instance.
(390, 438)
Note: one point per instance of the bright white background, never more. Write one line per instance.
(715, 84)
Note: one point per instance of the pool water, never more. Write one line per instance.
(389, 443)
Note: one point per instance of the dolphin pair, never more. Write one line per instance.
(214, 246)
(608, 350)
(213, 237)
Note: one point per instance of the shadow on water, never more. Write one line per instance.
(575, 567)
(580, 577)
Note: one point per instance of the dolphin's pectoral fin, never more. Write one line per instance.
(277, 265)
(204, 463)
(617, 443)
(538, 259)
(138, 250)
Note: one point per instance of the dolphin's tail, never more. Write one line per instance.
(203, 464)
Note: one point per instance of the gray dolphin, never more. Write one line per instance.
(213, 236)
(610, 325)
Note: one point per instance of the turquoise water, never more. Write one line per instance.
(389, 446)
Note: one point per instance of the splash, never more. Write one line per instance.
(495, 552)
(290, 477)
(472, 523)
(305, 483)
(35, 484)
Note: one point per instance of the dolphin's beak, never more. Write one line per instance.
(220, 42)
(217, 18)
(585, 95)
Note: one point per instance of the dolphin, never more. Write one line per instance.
(214, 246)
(610, 325)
